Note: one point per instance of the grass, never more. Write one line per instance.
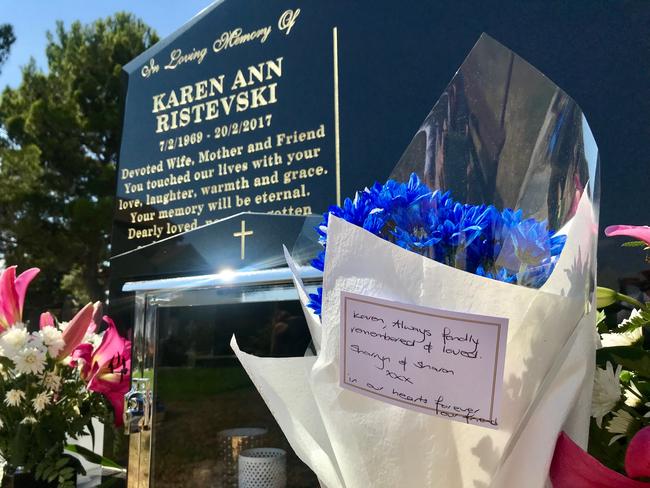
(187, 384)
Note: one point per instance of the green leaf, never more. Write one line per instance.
(91, 456)
(91, 430)
(631, 358)
(6, 362)
(634, 244)
(76, 465)
(640, 320)
(601, 324)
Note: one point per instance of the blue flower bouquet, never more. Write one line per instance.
(501, 245)
(492, 211)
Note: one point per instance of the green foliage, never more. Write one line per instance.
(62, 469)
(7, 38)
(628, 354)
(39, 445)
(634, 244)
(631, 358)
(634, 322)
(91, 456)
(58, 154)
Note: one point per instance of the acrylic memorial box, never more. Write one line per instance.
(203, 413)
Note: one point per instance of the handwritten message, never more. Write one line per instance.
(438, 362)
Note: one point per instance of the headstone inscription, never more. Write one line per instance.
(251, 116)
(229, 118)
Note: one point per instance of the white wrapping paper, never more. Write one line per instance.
(353, 441)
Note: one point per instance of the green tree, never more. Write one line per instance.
(57, 167)
(7, 38)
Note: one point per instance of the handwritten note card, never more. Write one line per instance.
(438, 362)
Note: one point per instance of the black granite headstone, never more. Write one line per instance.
(288, 107)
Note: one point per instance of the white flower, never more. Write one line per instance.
(607, 391)
(52, 381)
(2, 424)
(14, 397)
(53, 339)
(14, 339)
(632, 400)
(37, 341)
(63, 326)
(28, 420)
(597, 340)
(622, 338)
(30, 360)
(41, 401)
(619, 424)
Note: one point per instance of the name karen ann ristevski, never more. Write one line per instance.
(237, 36)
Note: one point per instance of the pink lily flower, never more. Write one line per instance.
(78, 327)
(82, 357)
(639, 232)
(574, 468)
(12, 295)
(637, 456)
(110, 369)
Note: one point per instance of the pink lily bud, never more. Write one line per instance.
(12, 295)
(637, 457)
(46, 320)
(97, 317)
(639, 232)
(76, 330)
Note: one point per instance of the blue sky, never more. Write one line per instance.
(32, 18)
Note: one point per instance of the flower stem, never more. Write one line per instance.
(630, 300)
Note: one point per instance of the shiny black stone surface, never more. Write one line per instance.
(393, 63)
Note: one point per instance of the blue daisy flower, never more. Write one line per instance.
(316, 301)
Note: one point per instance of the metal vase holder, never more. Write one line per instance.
(231, 443)
(264, 467)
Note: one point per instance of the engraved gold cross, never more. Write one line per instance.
(243, 234)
